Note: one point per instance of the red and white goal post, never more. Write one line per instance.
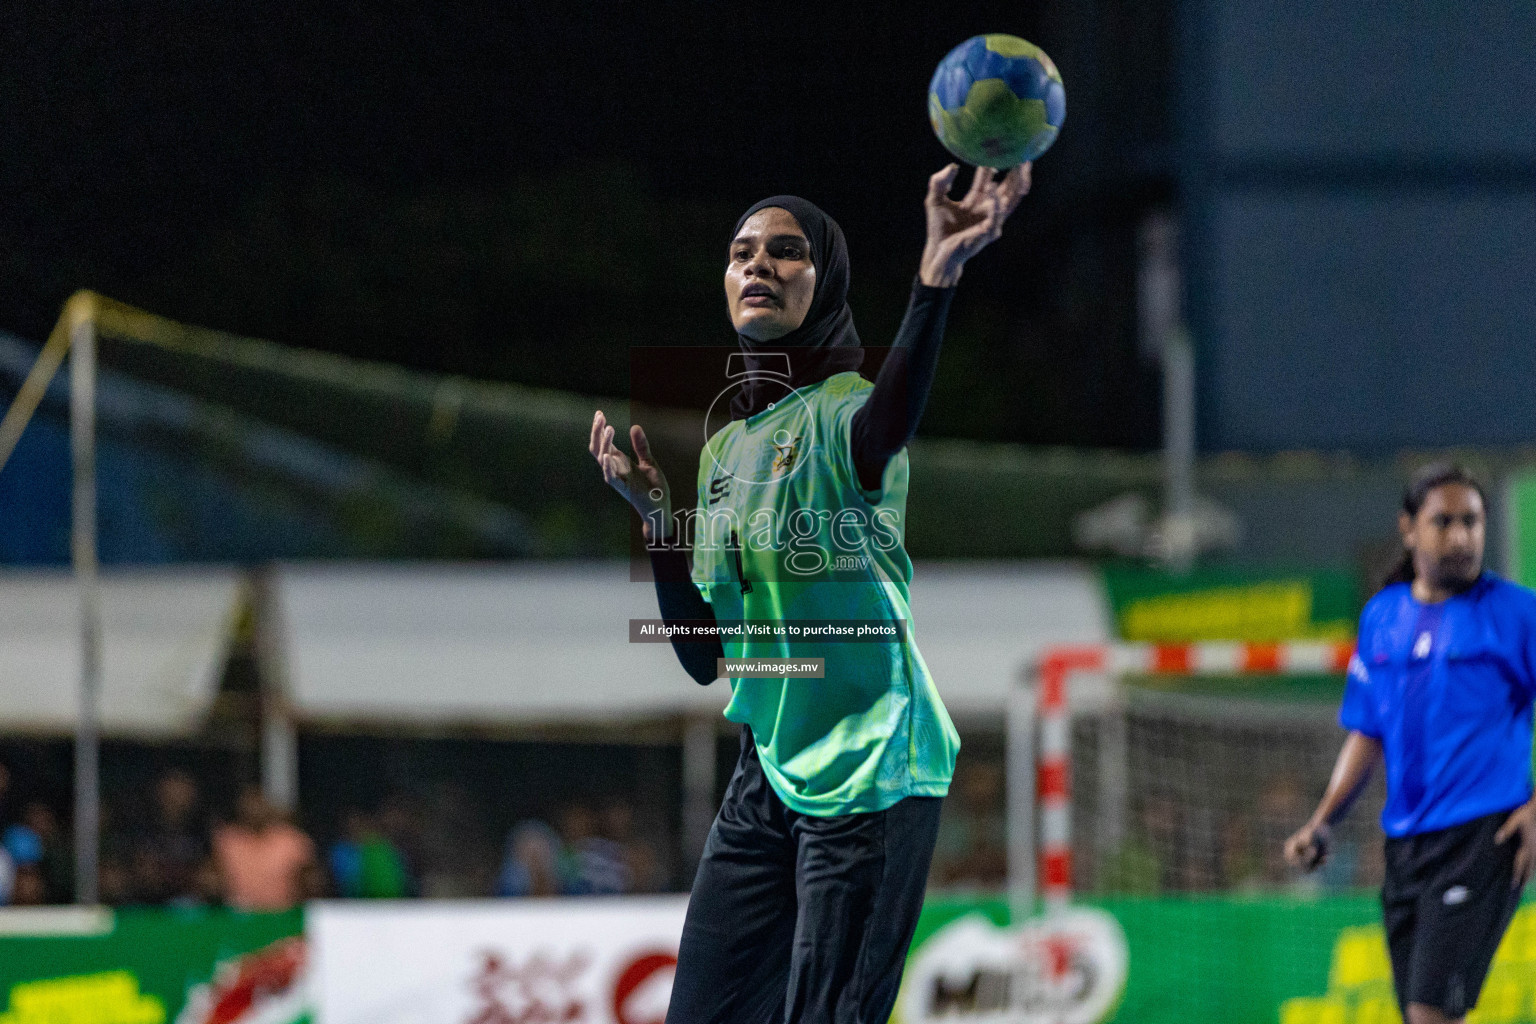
(1040, 773)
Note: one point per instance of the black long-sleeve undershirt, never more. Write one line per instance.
(679, 600)
(889, 417)
(879, 429)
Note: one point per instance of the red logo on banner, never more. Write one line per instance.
(640, 970)
(539, 992)
(243, 985)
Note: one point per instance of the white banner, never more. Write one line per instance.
(573, 961)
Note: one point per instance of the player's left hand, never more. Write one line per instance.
(1522, 823)
(959, 229)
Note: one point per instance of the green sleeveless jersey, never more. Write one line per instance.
(784, 531)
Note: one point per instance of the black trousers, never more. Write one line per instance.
(800, 919)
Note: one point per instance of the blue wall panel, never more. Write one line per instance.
(1359, 188)
(1368, 79)
(1369, 321)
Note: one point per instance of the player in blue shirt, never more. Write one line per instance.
(1441, 686)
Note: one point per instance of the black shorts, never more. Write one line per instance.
(800, 919)
(1447, 902)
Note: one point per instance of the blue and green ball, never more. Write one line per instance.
(996, 100)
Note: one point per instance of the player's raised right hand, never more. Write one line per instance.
(640, 479)
(1308, 847)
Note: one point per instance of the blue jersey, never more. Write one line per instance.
(1447, 690)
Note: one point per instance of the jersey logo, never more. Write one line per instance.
(1454, 895)
(785, 455)
(719, 487)
(1422, 644)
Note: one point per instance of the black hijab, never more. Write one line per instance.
(826, 342)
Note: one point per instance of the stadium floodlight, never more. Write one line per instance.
(1064, 681)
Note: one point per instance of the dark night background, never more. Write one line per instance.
(524, 191)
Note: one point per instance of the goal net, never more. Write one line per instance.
(1195, 792)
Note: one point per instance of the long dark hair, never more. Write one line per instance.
(1426, 479)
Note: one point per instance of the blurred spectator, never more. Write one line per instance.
(264, 862)
(400, 824)
(29, 890)
(173, 845)
(365, 864)
(1240, 866)
(591, 864)
(455, 860)
(24, 845)
(531, 866)
(641, 860)
(24, 849)
(1199, 847)
(345, 857)
(57, 865)
(113, 880)
(21, 850)
(1136, 866)
(971, 850)
(210, 887)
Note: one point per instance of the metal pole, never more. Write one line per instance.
(1179, 448)
(279, 731)
(82, 410)
(279, 754)
(1160, 309)
(1020, 739)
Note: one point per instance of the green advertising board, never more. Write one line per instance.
(1143, 960)
(1231, 603)
(1520, 524)
(1235, 604)
(145, 966)
(1232, 959)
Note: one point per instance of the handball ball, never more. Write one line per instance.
(996, 101)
